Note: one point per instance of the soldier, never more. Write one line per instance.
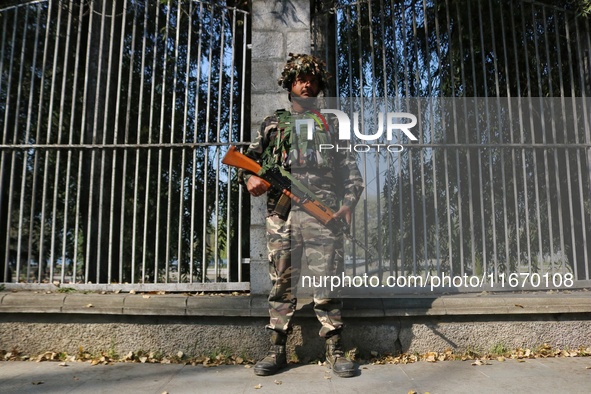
(292, 234)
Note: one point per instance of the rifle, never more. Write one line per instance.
(283, 181)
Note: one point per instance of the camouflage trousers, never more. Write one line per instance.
(301, 244)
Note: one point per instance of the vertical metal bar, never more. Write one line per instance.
(195, 138)
(242, 110)
(54, 81)
(217, 151)
(506, 56)
(101, 169)
(444, 153)
(445, 150)
(573, 95)
(377, 155)
(3, 153)
(82, 134)
(5, 132)
(149, 156)
(29, 122)
(71, 141)
(458, 167)
(401, 91)
(492, 219)
(123, 176)
(407, 94)
(140, 101)
(61, 132)
(545, 186)
(130, 92)
(569, 187)
(106, 194)
(182, 194)
(478, 140)
(171, 154)
(501, 151)
(587, 130)
(556, 166)
(433, 152)
(387, 182)
(533, 140)
(46, 164)
(206, 163)
(516, 56)
(160, 150)
(14, 153)
(360, 57)
(113, 153)
(425, 60)
(229, 139)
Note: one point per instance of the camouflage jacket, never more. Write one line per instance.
(333, 176)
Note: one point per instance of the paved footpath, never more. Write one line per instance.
(555, 375)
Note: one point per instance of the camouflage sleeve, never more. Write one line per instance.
(257, 147)
(350, 175)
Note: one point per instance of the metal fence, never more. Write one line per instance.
(114, 118)
(497, 189)
(115, 114)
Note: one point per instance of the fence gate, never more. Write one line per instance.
(496, 191)
(114, 119)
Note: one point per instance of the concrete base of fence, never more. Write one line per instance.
(34, 323)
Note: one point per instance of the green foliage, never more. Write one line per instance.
(66, 290)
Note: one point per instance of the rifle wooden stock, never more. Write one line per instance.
(308, 203)
(236, 159)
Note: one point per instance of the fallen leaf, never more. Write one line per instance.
(146, 296)
(278, 382)
(519, 306)
(431, 357)
(89, 305)
(258, 386)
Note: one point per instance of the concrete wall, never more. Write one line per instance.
(278, 28)
(35, 323)
(243, 336)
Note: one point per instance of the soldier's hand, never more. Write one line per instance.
(256, 186)
(345, 213)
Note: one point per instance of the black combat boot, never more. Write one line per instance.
(336, 357)
(275, 359)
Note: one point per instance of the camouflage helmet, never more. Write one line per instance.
(302, 64)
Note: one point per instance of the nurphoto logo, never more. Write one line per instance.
(388, 123)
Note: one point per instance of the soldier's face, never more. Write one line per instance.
(305, 86)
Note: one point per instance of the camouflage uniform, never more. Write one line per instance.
(297, 237)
